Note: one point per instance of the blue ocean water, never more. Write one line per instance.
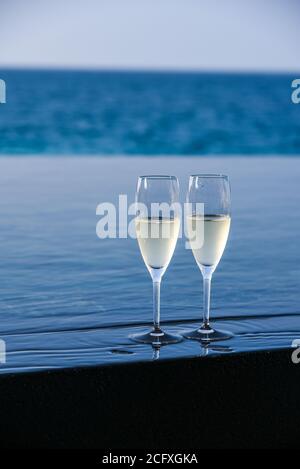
(68, 298)
(135, 113)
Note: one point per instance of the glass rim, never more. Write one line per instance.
(158, 176)
(213, 176)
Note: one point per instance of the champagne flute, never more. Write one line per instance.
(208, 225)
(157, 226)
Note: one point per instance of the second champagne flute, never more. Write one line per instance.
(208, 225)
(157, 225)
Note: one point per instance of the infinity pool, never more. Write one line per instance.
(68, 298)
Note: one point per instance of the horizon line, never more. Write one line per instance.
(132, 69)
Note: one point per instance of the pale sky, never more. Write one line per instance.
(151, 34)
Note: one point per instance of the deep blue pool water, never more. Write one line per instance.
(68, 298)
(114, 113)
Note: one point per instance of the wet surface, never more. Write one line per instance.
(70, 299)
(30, 352)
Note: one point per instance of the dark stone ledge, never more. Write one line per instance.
(236, 401)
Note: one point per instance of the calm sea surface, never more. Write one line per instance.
(68, 298)
(114, 113)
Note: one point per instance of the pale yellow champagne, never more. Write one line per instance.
(157, 238)
(208, 237)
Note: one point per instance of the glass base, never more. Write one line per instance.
(156, 338)
(207, 334)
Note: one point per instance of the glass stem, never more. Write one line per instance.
(156, 306)
(206, 302)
